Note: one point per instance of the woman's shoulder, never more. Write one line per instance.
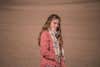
(45, 32)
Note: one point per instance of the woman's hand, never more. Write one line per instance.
(58, 59)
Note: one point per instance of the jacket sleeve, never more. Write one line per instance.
(45, 46)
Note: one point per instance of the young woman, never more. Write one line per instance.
(51, 43)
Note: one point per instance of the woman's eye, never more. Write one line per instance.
(55, 23)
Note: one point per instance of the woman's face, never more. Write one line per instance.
(54, 24)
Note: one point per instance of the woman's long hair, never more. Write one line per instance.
(47, 25)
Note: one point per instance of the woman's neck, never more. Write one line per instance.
(51, 29)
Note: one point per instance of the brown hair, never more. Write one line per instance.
(47, 25)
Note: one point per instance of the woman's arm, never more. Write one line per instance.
(45, 46)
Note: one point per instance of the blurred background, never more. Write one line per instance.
(22, 20)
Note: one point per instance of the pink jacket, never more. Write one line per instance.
(47, 52)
